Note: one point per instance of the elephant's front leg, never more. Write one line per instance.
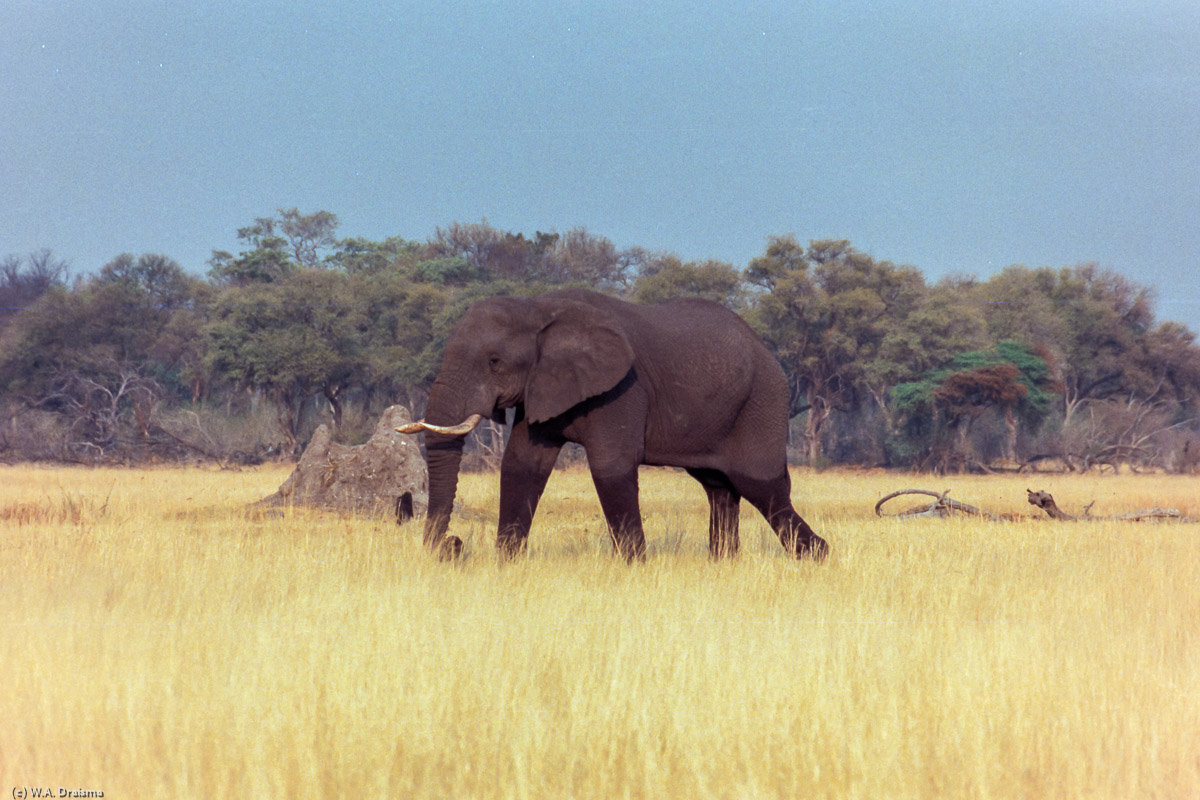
(613, 436)
(618, 493)
(526, 466)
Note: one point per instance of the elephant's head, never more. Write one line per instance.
(546, 354)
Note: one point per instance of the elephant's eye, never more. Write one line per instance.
(493, 361)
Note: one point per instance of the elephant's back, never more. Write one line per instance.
(702, 325)
(711, 371)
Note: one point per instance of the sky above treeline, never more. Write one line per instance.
(959, 137)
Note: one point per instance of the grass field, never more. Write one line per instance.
(158, 641)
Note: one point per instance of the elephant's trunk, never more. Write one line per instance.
(443, 454)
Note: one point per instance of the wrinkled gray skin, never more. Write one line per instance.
(684, 383)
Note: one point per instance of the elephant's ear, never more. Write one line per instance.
(581, 353)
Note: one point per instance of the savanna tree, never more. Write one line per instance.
(940, 408)
(825, 311)
(277, 247)
(291, 339)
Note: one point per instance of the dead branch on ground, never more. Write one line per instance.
(943, 506)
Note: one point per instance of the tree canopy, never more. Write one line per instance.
(143, 359)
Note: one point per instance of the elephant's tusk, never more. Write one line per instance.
(461, 429)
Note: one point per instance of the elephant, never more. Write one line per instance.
(684, 383)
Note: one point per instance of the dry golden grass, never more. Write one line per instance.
(159, 642)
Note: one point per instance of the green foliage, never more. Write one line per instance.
(359, 255)
(156, 278)
(826, 311)
(99, 356)
(400, 339)
(278, 246)
(293, 337)
(454, 271)
(1094, 326)
(267, 262)
(307, 234)
(942, 324)
(1008, 378)
(666, 277)
(117, 317)
(976, 379)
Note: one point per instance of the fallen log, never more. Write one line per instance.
(1045, 501)
(943, 506)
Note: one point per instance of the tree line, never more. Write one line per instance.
(144, 361)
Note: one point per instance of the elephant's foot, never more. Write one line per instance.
(813, 547)
(510, 547)
(723, 545)
(630, 546)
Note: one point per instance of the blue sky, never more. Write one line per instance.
(957, 137)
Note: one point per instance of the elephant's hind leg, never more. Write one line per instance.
(773, 499)
(724, 511)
